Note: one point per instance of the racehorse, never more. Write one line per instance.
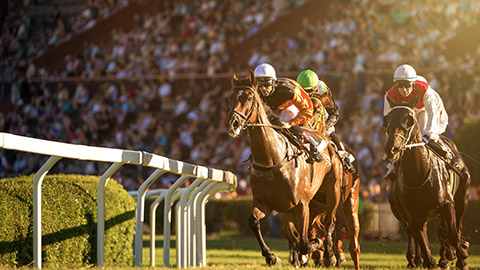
(423, 188)
(349, 204)
(280, 177)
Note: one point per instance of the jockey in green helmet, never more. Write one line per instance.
(318, 90)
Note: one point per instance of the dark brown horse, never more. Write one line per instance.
(423, 188)
(280, 177)
(349, 204)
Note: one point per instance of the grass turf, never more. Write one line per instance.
(232, 252)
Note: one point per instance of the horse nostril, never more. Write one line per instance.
(235, 124)
(395, 150)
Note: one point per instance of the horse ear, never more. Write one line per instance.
(385, 119)
(234, 79)
(414, 102)
(251, 76)
(391, 102)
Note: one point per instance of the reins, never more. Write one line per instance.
(410, 146)
(246, 124)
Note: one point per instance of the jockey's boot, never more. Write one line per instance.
(314, 155)
(391, 175)
(449, 157)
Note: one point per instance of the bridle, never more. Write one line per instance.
(246, 118)
(246, 123)
(407, 139)
(410, 146)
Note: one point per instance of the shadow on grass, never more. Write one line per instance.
(24, 247)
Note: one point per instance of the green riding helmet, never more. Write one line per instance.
(308, 79)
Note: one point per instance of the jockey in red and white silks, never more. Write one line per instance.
(431, 114)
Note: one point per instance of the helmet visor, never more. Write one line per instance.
(265, 82)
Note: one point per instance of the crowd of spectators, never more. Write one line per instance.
(19, 47)
(361, 36)
(184, 119)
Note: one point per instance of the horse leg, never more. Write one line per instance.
(410, 255)
(350, 213)
(418, 231)
(446, 254)
(447, 213)
(302, 214)
(461, 203)
(418, 255)
(333, 198)
(291, 234)
(337, 240)
(259, 211)
(317, 231)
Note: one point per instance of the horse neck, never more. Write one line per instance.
(415, 161)
(266, 144)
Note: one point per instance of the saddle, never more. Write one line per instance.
(317, 144)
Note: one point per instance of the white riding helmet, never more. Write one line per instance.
(265, 70)
(405, 72)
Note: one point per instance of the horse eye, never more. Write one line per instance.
(408, 122)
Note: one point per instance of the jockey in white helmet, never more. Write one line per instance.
(430, 112)
(286, 97)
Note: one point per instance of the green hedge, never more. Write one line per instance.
(69, 216)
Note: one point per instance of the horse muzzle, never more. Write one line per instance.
(234, 128)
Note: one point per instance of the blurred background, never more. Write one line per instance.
(156, 75)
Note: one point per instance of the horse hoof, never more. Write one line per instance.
(317, 258)
(462, 265)
(443, 265)
(451, 255)
(411, 265)
(464, 249)
(341, 257)
(272, 259)
(304, 260)
(332, 261)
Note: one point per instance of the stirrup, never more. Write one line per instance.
(390, 176)
(345, 157)
(455, 163)
(350, 167)
(313, 155)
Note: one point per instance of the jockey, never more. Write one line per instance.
(431, 115)
(317, 89)
(285, 96)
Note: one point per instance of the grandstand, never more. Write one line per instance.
(154, 75)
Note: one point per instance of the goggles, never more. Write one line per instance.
(404, 84)
(265, 82)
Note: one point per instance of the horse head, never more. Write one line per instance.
(243, 104)
(401, 127)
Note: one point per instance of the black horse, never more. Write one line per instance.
(424, 187)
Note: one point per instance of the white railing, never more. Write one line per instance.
(190, 209)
